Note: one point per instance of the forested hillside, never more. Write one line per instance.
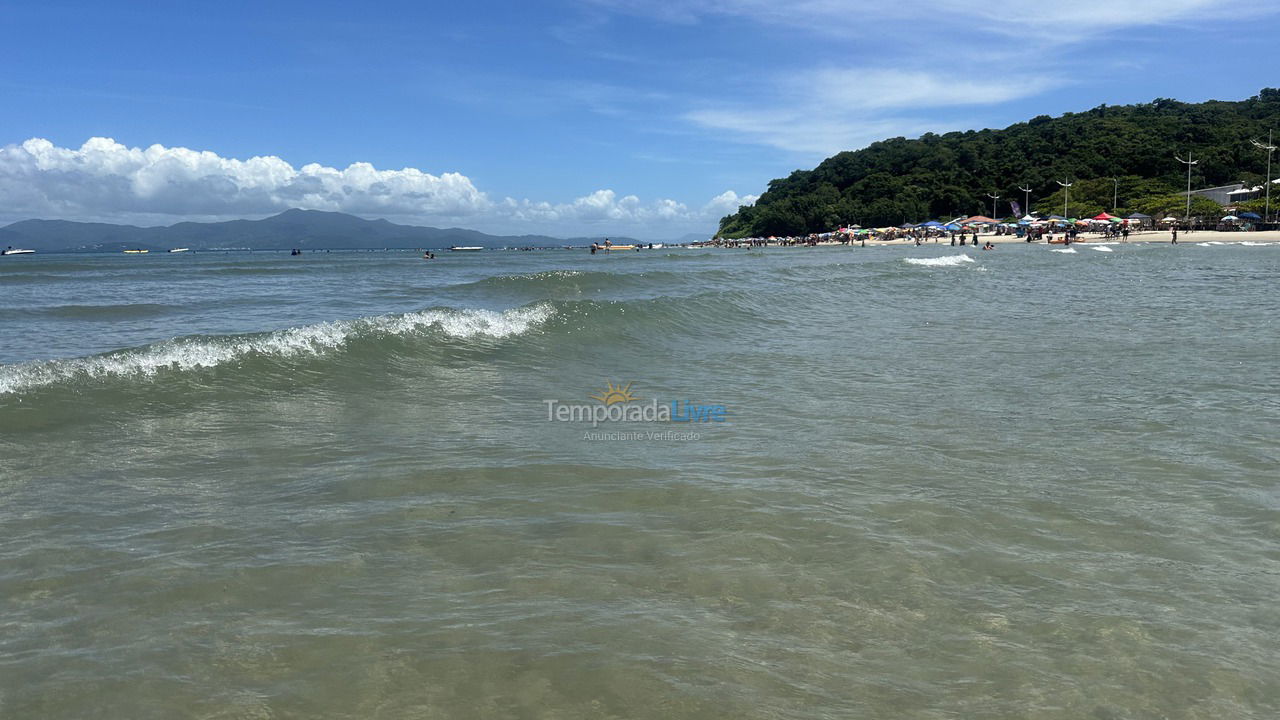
(901, 180)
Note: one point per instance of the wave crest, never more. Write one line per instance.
(947, 261)
(197, 352)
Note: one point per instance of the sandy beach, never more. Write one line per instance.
(1148, 236)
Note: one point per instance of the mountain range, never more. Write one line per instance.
(302, 229)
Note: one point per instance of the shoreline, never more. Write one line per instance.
(1149, 236)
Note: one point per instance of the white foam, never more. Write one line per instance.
(1063, 250)
(947, 261)
(1102, 249)
(1250, 243)
(194, 353)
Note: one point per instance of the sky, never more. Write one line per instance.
(645, 118)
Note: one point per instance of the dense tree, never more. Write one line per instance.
(900, 180)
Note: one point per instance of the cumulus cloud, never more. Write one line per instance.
(106, 180)
(104, 176)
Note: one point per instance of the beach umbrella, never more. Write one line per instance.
(1103, 216)
(1170, 219)
(1230, 217)
(1251, 216)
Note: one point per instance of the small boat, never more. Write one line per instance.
(16, 251)
(180, 250)
(136, 251)
(619, 247)
(466, 248)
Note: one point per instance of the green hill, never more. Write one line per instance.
(901, 180)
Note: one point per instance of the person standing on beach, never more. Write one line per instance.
(1175, 234)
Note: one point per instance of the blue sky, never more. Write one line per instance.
(569, 117)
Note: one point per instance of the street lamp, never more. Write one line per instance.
(1188, 162)
(1066, 193)
(1026, 199)
(1270, 149)
(1115, 194)
(994, 198)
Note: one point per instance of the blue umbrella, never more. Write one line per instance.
(1251, 216)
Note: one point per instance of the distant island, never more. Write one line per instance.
(1120, 159)
(301, 229)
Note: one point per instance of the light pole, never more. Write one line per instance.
(1188, 162)
(1026, 199)
(1115, 194)
(1270, 149)
(994, 198)
(1066, 193)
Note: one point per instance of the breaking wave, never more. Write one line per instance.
(196, 352)
(948, 261)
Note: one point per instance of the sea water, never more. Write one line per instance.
(941, 484)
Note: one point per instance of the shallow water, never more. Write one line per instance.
(1022, 484)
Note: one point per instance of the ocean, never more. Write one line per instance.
(884, 482)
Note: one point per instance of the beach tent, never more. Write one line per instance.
(977, 220)
(1028, 217)
(1104, 216)
(931, 224)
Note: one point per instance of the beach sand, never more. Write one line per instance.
(1148, 236)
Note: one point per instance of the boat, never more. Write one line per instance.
(137, 251)
(16, 251)
(466, 248)
(180, 250)
(619, 247)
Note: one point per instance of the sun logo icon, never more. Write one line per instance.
(614, 394)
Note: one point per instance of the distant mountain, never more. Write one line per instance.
(304, 229)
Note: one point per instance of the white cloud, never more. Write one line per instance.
(106, 180)
(832, 109)
(104, 176)
(875, 68)
(606, 206)
(1059, 20)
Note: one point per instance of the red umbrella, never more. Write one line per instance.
(1103, 216)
